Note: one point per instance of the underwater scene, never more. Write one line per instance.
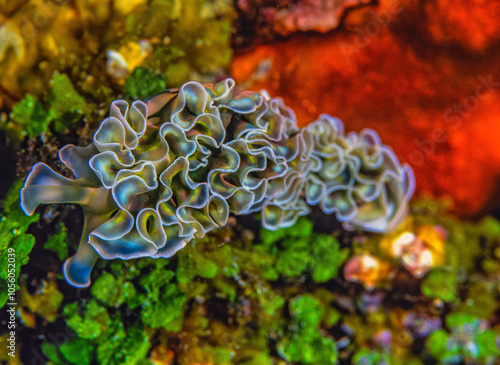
(250, 182)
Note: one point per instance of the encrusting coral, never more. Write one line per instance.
(172, 168)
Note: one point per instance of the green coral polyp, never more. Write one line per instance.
(161, 172)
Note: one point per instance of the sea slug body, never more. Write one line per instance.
(161, 172)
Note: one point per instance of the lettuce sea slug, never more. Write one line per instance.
(161, 172)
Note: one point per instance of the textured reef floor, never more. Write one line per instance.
(427, 293)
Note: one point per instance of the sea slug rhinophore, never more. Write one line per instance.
(161, 172)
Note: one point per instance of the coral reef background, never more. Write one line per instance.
(424, 74)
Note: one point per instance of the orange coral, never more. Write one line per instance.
(437, 106)
(472, 24)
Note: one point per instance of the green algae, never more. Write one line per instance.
(331, 315)
(369, 357)
(66, 104)
(193, 264)
(165, 311)
(219, 355)
(440, 283)
(92, 323)
(305, 344)
(113, 348)
(306, 311)
(326, 258)
(13, 238)
(160, 304)
(103, 334)
(298, 251)
(231, 303)
(108, 290)
(302, 229)
(60, 109)
(159, 296)
(30, 114)
(160, 301)
(313, 349)
(58, 242)
(143, 83)
(123, 346)
(52, 354)
(75, 351)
